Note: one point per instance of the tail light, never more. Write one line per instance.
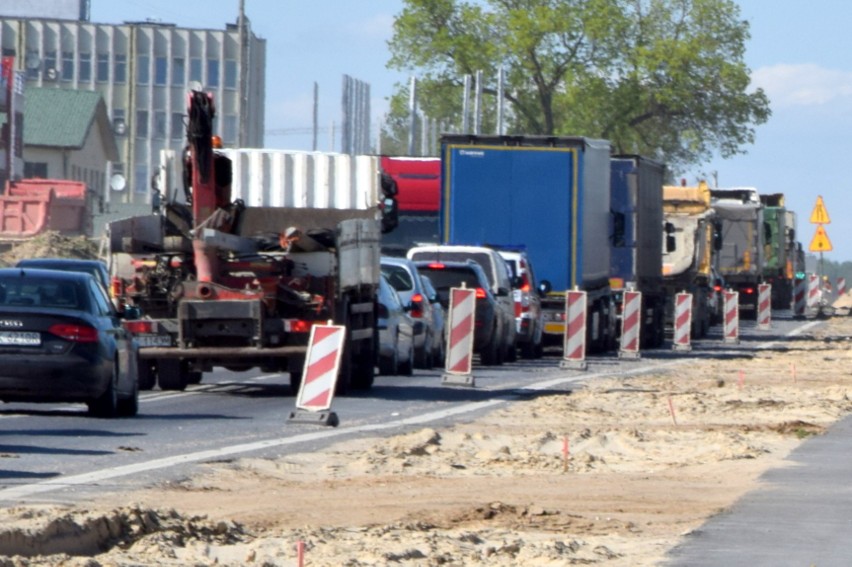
(300, 326)
(748, 290)
(519, 309)
(74, 333)
(717, 288)
(480, 293)
(116, 287)
(383, 311)
(417, 306)
(139, 327)
(436, 266)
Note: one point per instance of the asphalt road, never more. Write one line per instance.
(57, 453)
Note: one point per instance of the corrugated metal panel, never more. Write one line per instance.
(282, 178)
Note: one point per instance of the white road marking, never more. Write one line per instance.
(28, 490)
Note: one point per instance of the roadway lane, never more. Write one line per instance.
(57, 453)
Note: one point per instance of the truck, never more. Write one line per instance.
(550, 194)
(691, 241)
(418, 184)
(742, 255)
(637, 240)
(779, 226)
(263, 246)
(29, 207)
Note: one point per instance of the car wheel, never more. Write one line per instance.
(106, 405)
(512, 352)
(406, 367)
(490, 353)
(421, 356)
(295, 382)
(129, 406)
(528, 350)
(388, 364)
(146, 373)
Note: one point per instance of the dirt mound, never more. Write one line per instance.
(50, 245)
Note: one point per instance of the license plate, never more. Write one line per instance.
(154, 340)
(14, 338)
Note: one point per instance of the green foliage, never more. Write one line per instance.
(661, 78)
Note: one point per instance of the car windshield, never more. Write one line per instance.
(480, 258)
(40, 293)
(398, 277)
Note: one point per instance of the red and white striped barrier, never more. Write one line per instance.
(322, 365)
(800, 297)
(731, 329)
(683, 322)
(574, 344)
(459, 361)
(631, 317)
(764, 306)
(813, 291)
(841, 287)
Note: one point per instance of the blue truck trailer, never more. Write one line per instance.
(637, 240)
(550, 194)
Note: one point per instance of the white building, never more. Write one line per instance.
(143, 70)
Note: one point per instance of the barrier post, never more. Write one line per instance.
(764, 306)
(683, 322)
(841, 286)
(813, 292)
(459, 357)
(631, 318)
(574, 343)
(322, 365)
(732, 317)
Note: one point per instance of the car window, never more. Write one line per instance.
(484, 259)
(398, 277)
(41, 292)
(102, 302)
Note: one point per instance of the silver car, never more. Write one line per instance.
(396, 333)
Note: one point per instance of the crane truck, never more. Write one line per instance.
(223, 283)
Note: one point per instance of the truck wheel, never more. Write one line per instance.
(528, 350)
(170, 375)
(295, 382)
(147, 374)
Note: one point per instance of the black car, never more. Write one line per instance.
(61, 340)
(488, 325)
(95, 267)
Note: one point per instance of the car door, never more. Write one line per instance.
(111, 324)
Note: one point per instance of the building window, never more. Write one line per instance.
(159, 125)
(103, 67)
(33, 64)
(67, 65)
(119, 121)
(50, 61)
(178, 70)
(178, 129)
(140, 178)
(229, 129)
(143, 73)
(195, 69)
(35, 169)
(230, 74)
(141, 123)
(85, 67)
(161, 70)
(212, 72)
(120, 71)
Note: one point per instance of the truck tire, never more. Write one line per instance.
(147, 373)
(295, 382)
(171, 375)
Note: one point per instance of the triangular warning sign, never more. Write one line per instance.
(820, 242)
(820, 215)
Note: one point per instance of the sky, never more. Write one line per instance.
(800, 54)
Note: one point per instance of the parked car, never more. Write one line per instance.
(498, 276)
(404, 277)
(95, 267)
(489, 323)
(440, 316)
(529, 318)
(61, 340)
(396, 332)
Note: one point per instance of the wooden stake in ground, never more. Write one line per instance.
(672, 411)
(565, 454)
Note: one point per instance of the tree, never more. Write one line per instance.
(661, 78)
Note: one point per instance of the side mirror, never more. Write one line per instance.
(671, 243)
(131, 312)
(517, 281)
(545, 287)
(502, 292)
